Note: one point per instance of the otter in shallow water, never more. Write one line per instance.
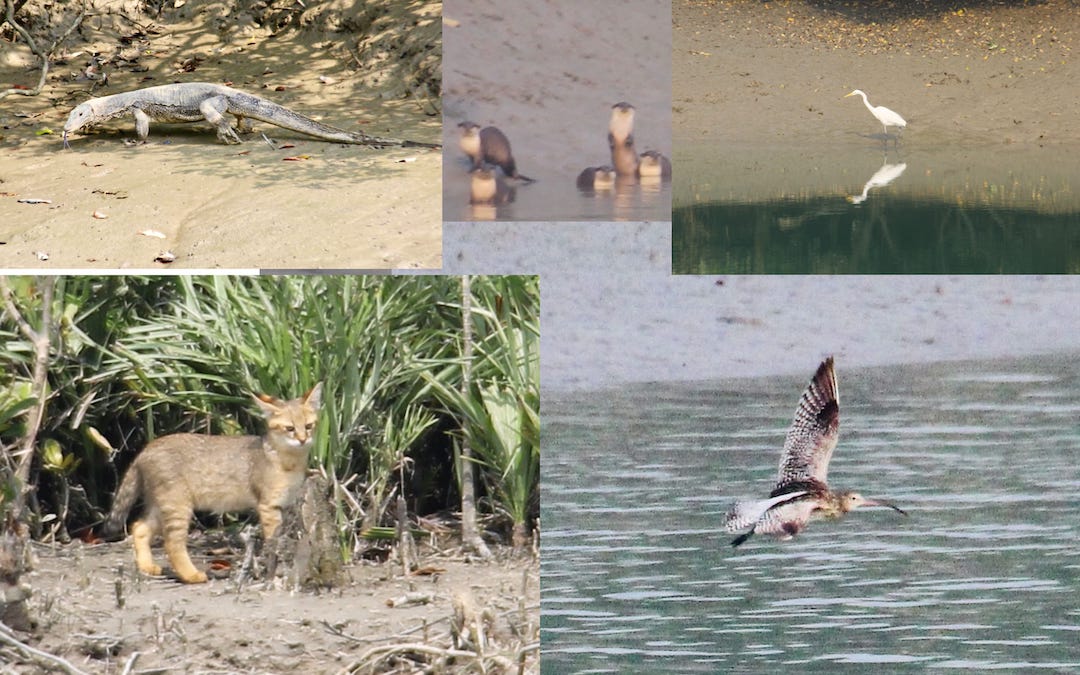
(596, 178)
(489, 145)
(621, 139)
(654, 164)
(488, 187)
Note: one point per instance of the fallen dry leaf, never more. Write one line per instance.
(119, 194)
(296, 158)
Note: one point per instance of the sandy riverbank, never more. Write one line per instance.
(224, 206)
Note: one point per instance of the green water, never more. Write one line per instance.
(886, 234)
(983, 575)
(945, 206)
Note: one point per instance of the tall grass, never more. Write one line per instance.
(499, 411)
(137, 357)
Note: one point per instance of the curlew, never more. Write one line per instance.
(801, 493)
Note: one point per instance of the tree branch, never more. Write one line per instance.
(39, 380)
(470, 535)
(45, 56)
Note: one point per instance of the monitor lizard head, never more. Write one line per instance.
(82, 115)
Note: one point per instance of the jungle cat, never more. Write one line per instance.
(179, 474)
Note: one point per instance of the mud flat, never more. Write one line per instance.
(986, 90)
(613, 313)
(218, 627)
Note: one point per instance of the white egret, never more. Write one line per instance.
(887, 117)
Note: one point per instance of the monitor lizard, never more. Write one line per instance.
(197, 101)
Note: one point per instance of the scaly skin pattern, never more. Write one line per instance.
(199, 101)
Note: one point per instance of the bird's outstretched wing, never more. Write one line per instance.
(813, 434)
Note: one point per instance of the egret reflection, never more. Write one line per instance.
(882, 177)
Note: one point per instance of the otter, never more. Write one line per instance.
(489, 145)
(596, 178)
(621, 139)
(488, 187)
(654, 164)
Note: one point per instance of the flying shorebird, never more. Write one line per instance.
(801, 493)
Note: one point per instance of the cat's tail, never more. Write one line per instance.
(125, 498)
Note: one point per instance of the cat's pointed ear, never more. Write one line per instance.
(268, 404)
(314, 397)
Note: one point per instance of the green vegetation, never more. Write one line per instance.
(128, 359)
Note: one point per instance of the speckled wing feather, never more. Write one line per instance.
(813, 434)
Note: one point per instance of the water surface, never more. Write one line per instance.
(866, 205)
(547, 75)
(639, 576)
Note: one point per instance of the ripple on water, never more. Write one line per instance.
(969, 664)
(873, 658)
(988, 584)
(639, 575)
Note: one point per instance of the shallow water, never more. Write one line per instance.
(863, 206)
(555, 197)
(547, 75)
(638, 574)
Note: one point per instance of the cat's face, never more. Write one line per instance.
(292, 423)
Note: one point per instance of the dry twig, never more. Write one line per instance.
(7, 636)
(372, 657)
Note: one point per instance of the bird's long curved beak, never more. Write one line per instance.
(879, 502)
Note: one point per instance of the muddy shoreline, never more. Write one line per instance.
(777, 71)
